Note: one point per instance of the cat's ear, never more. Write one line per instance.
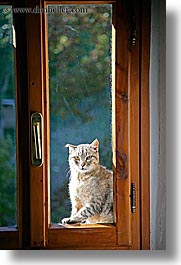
(95, 145)
(71, 147)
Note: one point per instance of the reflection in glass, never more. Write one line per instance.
(80, 91)
(7, 122)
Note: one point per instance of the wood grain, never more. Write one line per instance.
(82, 237)
(123, 213)
(36, 104)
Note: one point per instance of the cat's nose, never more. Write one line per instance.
(83, 165)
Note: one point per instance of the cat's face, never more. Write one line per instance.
(84, 158)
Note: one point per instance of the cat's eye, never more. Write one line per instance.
(89, 157)
(77, 158)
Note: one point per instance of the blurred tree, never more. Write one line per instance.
(79, 58)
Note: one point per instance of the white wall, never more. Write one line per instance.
(158, 118)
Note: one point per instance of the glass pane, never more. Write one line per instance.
(79, 47)
(8, 200)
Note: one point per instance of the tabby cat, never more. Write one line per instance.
(90, 186)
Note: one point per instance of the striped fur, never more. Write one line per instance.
(90, 187)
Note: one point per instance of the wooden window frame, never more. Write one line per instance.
(127, 232)
(10, 237)
(131, 145)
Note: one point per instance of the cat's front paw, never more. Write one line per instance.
(65, 220)
(69, 220)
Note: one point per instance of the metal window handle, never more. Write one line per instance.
(36, 139)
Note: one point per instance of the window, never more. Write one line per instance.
(79, 50)
(14, 122)
(8, 195)
(43, 68)
(125, 119)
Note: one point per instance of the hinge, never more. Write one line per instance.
(133, 197)
(132, 31)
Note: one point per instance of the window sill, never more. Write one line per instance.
(9, 238)
(81, 236)
(8, 229)
(81, 226)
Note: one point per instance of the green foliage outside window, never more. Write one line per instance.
(7, 132)
(79, 58)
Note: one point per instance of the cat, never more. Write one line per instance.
(90, 186)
